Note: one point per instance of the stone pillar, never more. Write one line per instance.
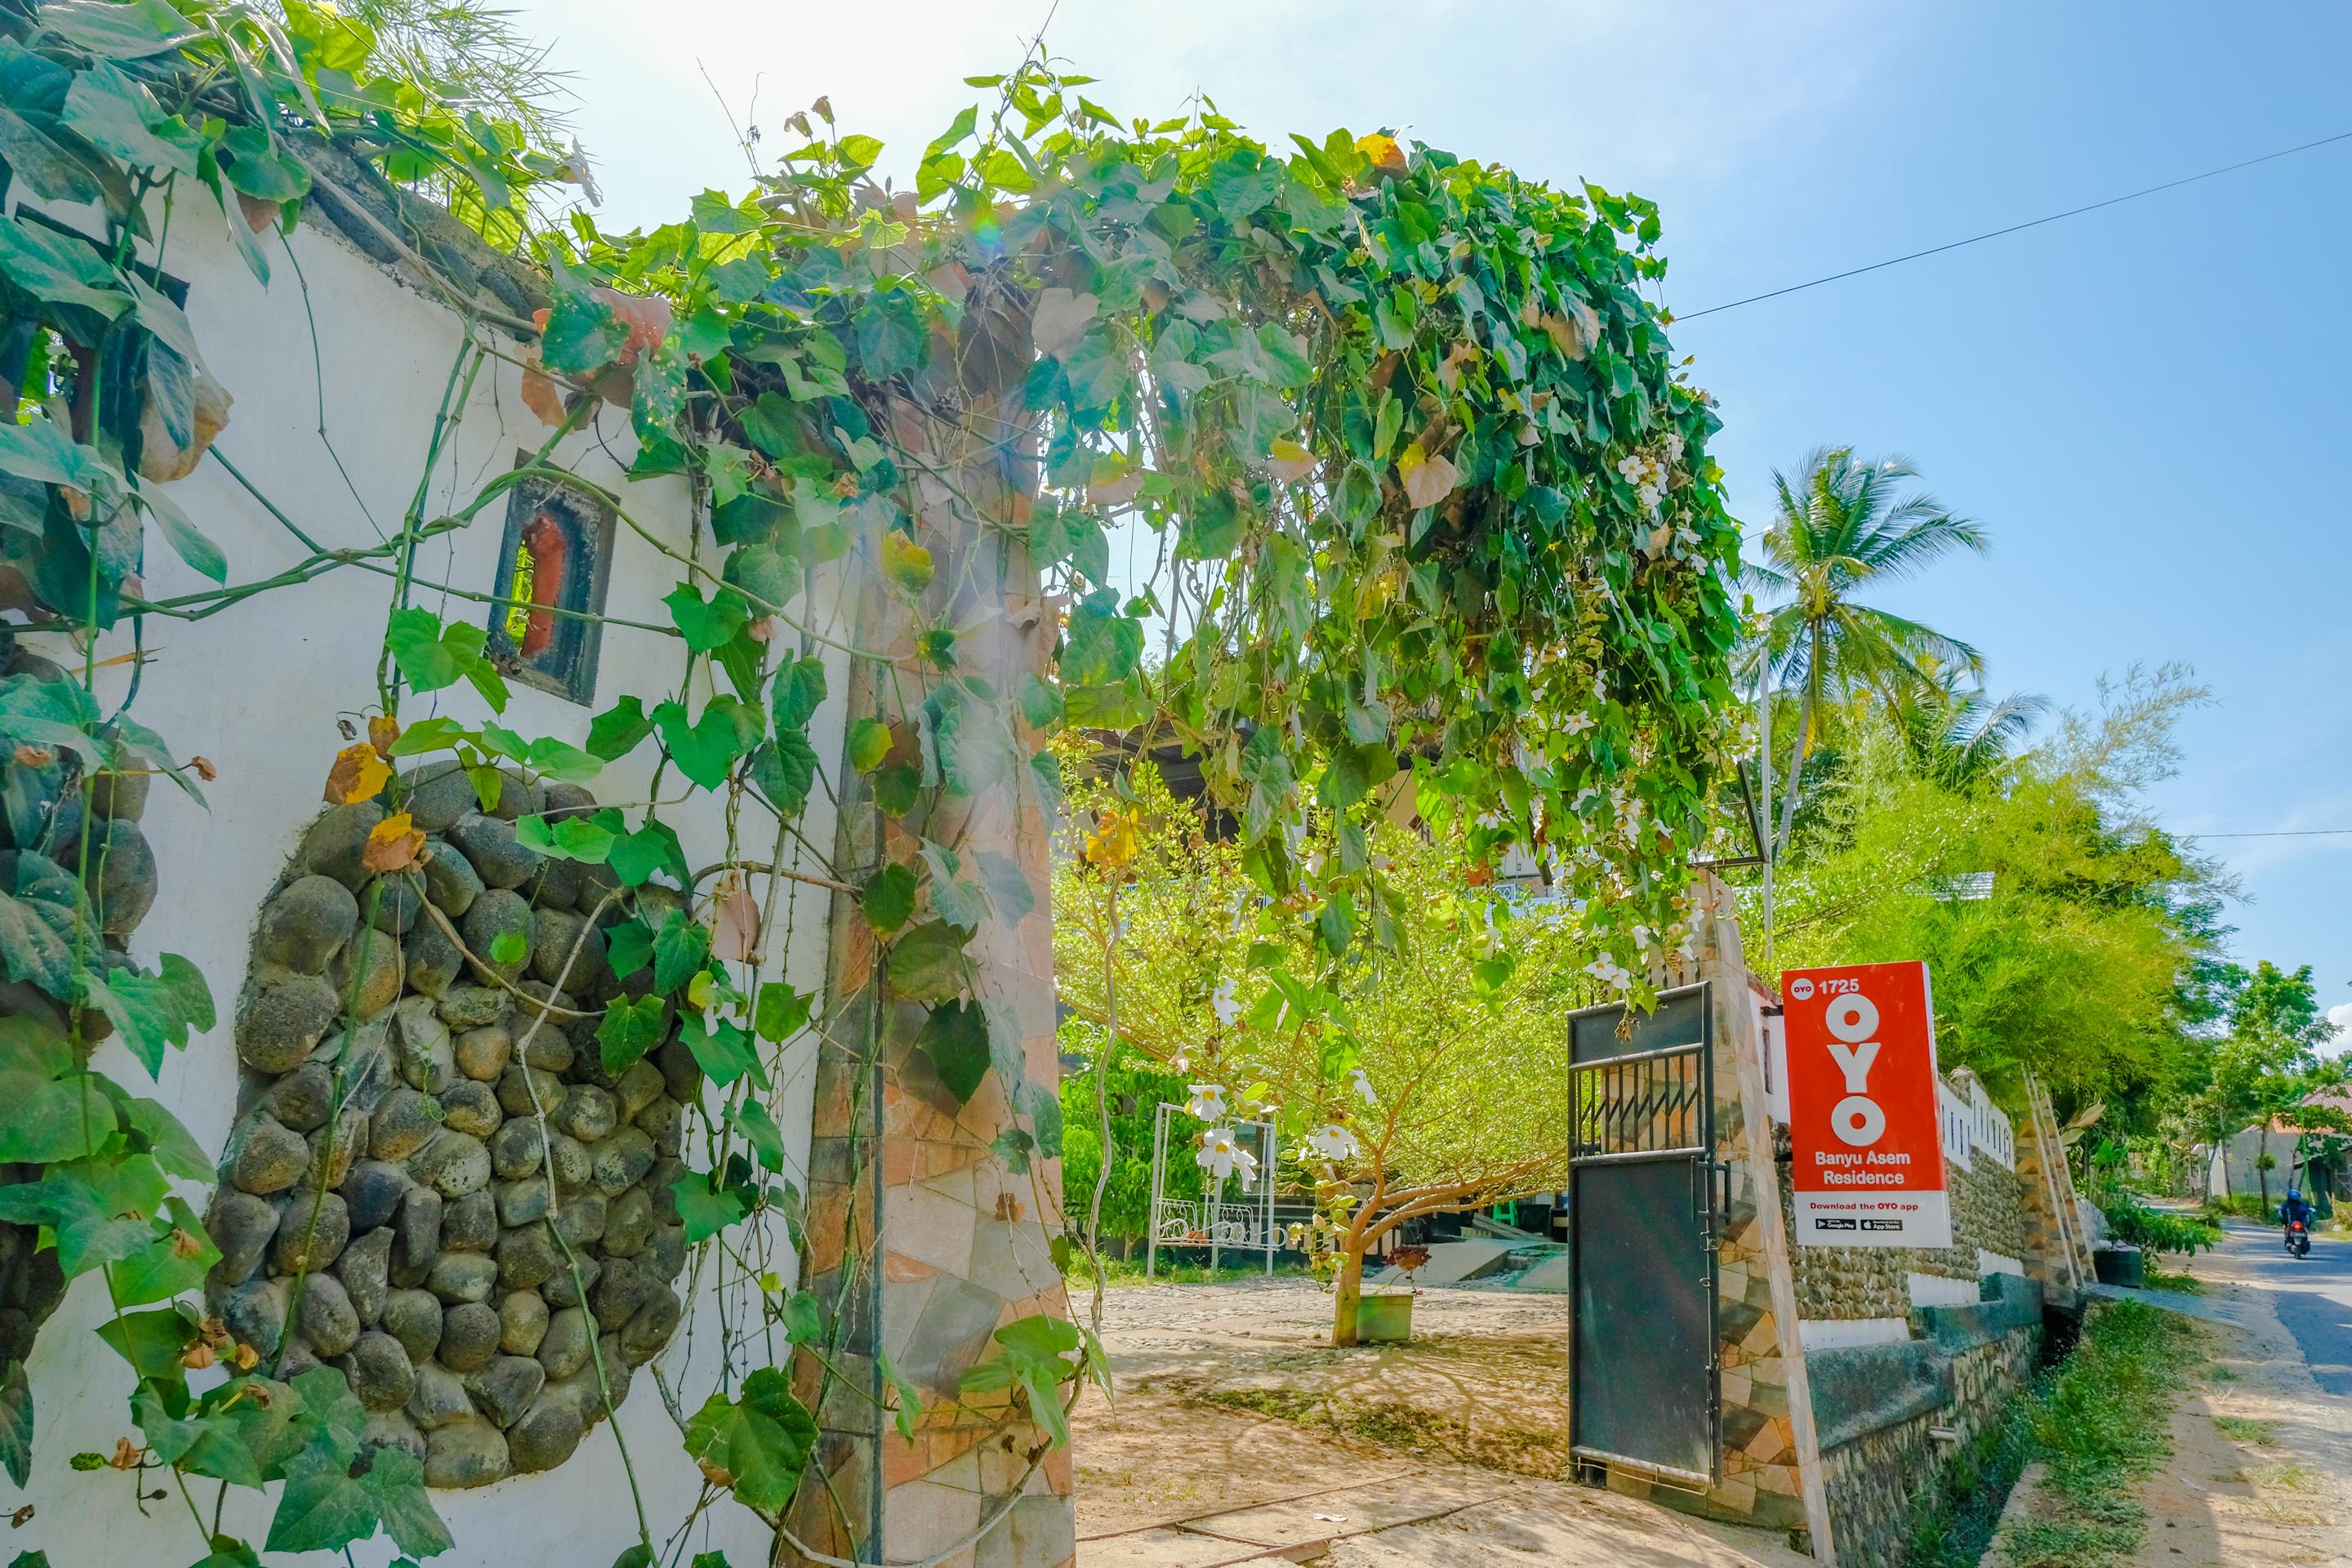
(1771, 1458)
(2057, 1253)
(922, 1238)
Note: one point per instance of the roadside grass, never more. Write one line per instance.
(2096, 1422)
(2262, 1434)
(2179, 1284)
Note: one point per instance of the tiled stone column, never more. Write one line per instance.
(1771, 1471)
(961, 1248)
(2057, 1253)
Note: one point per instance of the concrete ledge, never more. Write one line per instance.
(1861, 1389)
(1868, 1388)
(2011, 1301)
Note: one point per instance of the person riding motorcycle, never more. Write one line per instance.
(2295, 1210)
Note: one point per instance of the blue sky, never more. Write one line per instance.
(2147, 407)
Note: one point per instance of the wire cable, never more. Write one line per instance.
(2019, 227)
(2283, 833)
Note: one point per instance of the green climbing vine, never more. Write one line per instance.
(1362, 473)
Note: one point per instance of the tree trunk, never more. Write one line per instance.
(1346, 1292)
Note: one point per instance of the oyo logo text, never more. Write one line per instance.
(1852, 1018)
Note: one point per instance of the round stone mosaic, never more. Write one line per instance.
(477, 1134)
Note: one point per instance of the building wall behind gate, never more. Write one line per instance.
(256, 689)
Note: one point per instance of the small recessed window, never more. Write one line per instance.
(553, 563)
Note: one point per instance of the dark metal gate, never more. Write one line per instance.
(1645, 1385)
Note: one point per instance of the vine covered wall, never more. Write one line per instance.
(1432, 517)
(256, 691)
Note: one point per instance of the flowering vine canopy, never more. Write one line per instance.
(1399, 435)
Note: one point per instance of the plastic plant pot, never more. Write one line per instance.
(1385, 1318)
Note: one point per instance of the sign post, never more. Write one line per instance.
(1869, 1157)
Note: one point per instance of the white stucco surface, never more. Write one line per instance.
(257, 690)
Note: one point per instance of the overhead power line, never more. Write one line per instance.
(2283, 833)
(2019, 228)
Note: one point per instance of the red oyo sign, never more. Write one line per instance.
(1869, 1167)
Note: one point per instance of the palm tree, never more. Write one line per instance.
(1839, 529)
(1958, 736)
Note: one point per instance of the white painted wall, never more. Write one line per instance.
(257, 690)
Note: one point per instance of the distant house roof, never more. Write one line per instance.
(2338, 1100)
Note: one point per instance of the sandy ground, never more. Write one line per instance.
(2260, 1452)
(1168, 1481)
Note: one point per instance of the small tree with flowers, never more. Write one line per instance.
(1422, 1072)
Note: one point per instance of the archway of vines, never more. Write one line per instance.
(1362, 471)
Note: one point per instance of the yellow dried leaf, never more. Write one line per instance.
(393, 845)
(358, 775)
(1382, 149)
(1427, 480)
(735, 923)
(382, 730)
(1290, 461)
(1116, 840)
(906, 562)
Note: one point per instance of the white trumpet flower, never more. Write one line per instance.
(1334, 1142)
(1221, 1156)
(1208, 1102)
(1224, 1004)
(1363, 1086)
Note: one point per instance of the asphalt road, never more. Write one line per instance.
(2313, 1296)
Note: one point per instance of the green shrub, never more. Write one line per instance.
(2153, 1229)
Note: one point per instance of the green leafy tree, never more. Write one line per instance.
(1428, 1077)
(1961, 737)
(2266, 1066)
(1840, 530)
(2077, 963)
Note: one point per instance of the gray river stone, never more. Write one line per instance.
(302, 1099)
(462, 1279)
(380, 1371)
(547, 1434)
(450, 881)
(371, 1192)
(469, 1336)
(326, 1317)
(438, 794)
(466, 1452)
(336, 841)
(303, 926)
(505, 1386)
(469, 1223)
(241, 1225)
(431, 958)
(483, 1053)
(414, 1318)
(366, 1269)
(471, 1107)
(522, 1322)
(311, 1234)
(563, 1349)
(491, 847)
(282, 1024)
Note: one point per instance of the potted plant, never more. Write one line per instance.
(1385, 1317)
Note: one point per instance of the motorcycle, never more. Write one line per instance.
(2298, 1239)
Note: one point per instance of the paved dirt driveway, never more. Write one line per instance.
(1168, 1480)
